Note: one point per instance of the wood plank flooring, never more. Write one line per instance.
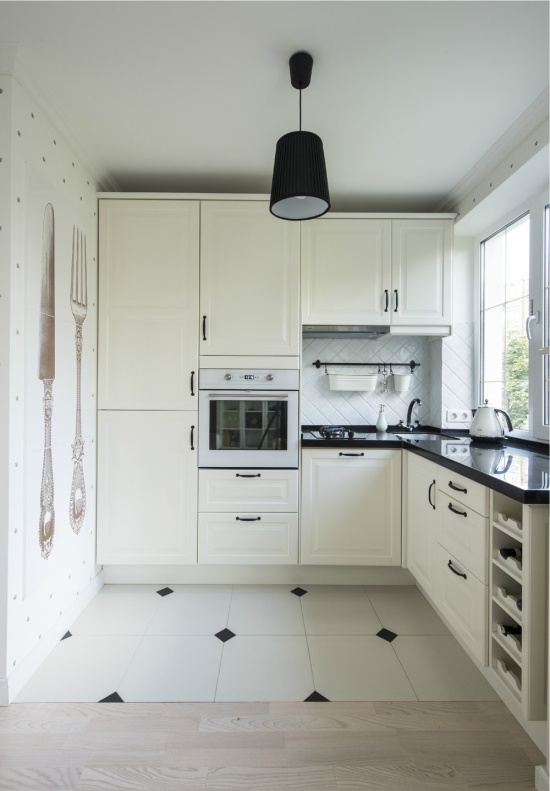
(264, 747)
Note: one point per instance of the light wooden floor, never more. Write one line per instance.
(261, 746)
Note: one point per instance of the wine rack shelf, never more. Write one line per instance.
(517, 618)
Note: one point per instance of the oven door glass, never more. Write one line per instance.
(252, 429)
(248, 424)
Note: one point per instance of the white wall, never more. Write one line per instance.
(41, 592)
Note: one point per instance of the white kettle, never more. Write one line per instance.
(487, 425)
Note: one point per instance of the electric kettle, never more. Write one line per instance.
(487, 425)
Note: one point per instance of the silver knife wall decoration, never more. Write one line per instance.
(79, 303)
(46, 373)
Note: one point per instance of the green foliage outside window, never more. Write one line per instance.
(517, 381)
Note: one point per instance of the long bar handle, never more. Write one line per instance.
(432, 484)
(192, 437)
(351, 454)
(457, 488)
(395, 291)
(204, 328)
(242, 475)
(248, 518)
(192, 383)
(454, 510)
(387, 293)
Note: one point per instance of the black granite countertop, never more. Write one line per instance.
(517, 469)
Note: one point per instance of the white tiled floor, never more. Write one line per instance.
(134, 644)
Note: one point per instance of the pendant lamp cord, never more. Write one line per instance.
(300, 109)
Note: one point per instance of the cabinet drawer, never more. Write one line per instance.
(242, 538)
(467, 492)
(463, 601)
(464, 533)
(248, 490)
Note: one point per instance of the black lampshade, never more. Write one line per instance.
(299, 190)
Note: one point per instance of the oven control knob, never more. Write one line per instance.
(269, 377)
(227, 376)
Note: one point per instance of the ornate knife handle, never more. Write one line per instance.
(46, 526)
(77, 503)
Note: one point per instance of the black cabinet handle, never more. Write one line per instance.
(457, 488)
(192, 437)
(192, 383)
(351, 454)
(396, 300)
(240, 475)
(432, 484)
(458, 573)
(248, 518)
(460, 513)
(386, 292)
(204, 328)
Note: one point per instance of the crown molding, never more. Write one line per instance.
(14, 62)
(525, 138)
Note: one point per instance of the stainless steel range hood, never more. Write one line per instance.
(343, 331)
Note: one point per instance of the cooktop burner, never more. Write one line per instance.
(335, 432)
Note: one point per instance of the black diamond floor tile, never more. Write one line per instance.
(67, 634)
(165, 591)
(225, 635)
(316, 697)
(299, 592)
(114, 697)
(385, 634)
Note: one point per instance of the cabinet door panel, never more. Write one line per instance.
(351, 508)
(463, 601)
(422, 520)
(248, 490)
(147, 488)
(269, 539)
(148, 303)
(345, 271)
(250, 280)
(421, 271)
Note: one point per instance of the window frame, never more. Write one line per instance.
(535, 207)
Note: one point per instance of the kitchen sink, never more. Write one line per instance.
(419, 436)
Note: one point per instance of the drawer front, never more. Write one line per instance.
(467, 492)
(258, 538)
(463, 601)
(464, 533)
(221, 491)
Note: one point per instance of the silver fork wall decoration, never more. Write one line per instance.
(79, 307)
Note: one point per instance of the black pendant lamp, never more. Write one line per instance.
(299, 190)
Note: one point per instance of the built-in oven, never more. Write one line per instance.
(248, 418)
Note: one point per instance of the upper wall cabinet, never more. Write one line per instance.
(250, 280)
(148, 304)
(377, 271)
(346, 271)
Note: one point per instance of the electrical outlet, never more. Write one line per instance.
(459, 415)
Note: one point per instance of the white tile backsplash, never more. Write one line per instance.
(444, 379)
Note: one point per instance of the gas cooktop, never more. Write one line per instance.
(340, 432)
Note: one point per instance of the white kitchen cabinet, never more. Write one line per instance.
(147, 488)
(421, 272)
(394, 272)
(351, 507)
(422, 516)
(248, 538)
(250, 280)
(248, 490)
(148, 304)
(346, 271)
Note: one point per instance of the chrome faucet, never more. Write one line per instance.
(410, 426)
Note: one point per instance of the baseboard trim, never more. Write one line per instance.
(257, 575)
(542, 779)
(14, 683)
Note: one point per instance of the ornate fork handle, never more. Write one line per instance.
(46, 527)
(77, 504)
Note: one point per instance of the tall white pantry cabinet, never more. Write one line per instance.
(148, 370)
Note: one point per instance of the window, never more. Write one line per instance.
(514, 320)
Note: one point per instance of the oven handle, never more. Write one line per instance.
(248, 395)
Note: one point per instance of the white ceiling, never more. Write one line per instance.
(192, 96)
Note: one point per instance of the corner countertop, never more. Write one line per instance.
(519, 470)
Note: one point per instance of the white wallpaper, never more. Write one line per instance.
(46, 579)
